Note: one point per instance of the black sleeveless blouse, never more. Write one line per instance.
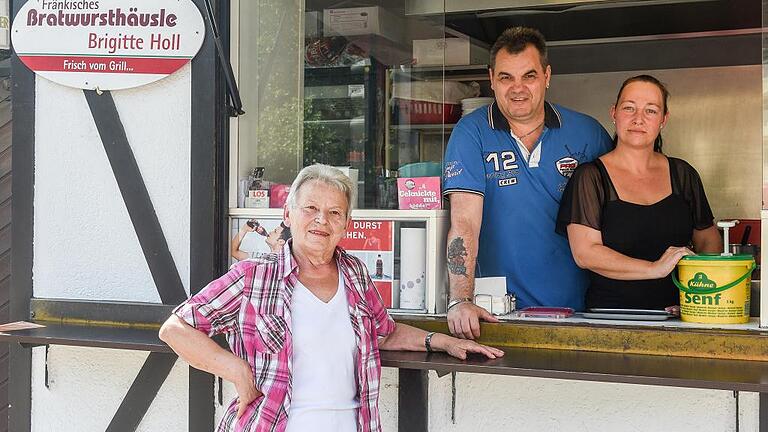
(635, 230)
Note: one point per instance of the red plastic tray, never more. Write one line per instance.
(423, 112)
(546, 312)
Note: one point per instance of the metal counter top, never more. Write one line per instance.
(686, 372)
(677, 371)
(669, 353)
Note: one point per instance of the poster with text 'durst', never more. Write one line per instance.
(374, 243)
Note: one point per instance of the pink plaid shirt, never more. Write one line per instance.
(252, 305)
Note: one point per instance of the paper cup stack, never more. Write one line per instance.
(470, 104)
(413, 268)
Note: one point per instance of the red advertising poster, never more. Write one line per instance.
(374, 243)
(371, 241)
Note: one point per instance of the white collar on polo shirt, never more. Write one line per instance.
(534, 158)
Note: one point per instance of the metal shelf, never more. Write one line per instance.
(377, 214)
(140, 339)
(449, 73)
(353, 121)
(427, 127)
(363, 64)
(719, 374)
(688, 372)
(440, 68)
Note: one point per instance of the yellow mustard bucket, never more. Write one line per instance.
(714, 288)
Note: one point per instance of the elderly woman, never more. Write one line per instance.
(633, 213)
(305, 326)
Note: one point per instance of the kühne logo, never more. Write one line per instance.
(701, 281)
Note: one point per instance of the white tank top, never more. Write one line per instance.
(324, 395)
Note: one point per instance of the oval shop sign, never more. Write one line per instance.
(107, 44)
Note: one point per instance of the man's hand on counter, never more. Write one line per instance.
(464, 320)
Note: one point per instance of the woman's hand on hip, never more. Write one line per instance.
(663, 266)
(246, 389)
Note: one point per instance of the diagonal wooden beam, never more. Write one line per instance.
(136, 197)
(134, 406)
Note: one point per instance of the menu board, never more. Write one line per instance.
(374, 243)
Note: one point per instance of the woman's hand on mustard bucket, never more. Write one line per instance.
(663, 266)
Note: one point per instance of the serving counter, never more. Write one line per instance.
(671, 353)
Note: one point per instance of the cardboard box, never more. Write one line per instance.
(257, 198)
(362, 21)
(457, 51)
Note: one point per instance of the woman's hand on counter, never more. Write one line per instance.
(459, 348)
(464, 320)
(663, 266)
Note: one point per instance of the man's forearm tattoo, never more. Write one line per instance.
(457, 253)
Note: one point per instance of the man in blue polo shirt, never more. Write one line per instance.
(506, 167)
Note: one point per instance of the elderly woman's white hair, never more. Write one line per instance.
(324, 173)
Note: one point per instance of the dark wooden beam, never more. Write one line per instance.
(136, 197)
(142, 392)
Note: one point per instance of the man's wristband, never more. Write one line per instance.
(454, 302)
(428, 342)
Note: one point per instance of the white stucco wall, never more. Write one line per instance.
(85, 246)
(86, 386)
(501, 403)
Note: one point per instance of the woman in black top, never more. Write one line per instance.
(633, 213)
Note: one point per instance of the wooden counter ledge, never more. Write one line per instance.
(670, 353)
(673, 339)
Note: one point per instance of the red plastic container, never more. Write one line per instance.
(423, 112)
(278, 193)
(546, 312)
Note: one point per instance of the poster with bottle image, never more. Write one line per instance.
(254, 236)
(374, 243)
